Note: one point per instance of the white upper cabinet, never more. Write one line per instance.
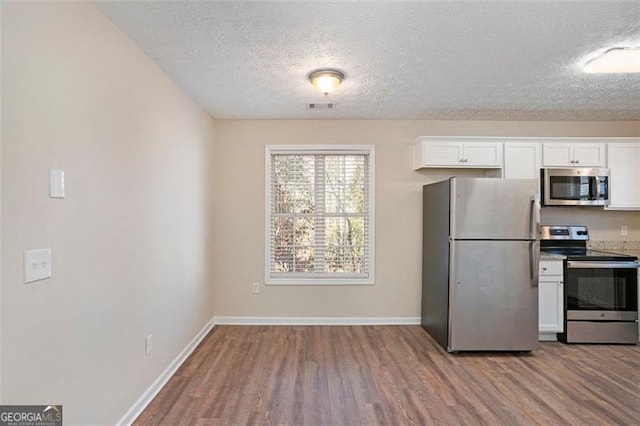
(573, 154)
(483, 154)
(439, 153)
(624, 164)
(454, 152)
(522, 160)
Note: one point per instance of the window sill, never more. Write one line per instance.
(318, 282)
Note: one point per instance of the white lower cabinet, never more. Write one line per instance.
(550, 298)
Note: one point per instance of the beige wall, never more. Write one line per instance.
(603, 225)
(239, 229)
(132, 240)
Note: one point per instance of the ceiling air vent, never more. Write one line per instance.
(321, 105)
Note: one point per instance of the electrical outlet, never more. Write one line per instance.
(255, 288)
(624, 231)
(37, 265)
(148, 344)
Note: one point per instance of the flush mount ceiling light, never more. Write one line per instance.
(326, 81)
(615, 61)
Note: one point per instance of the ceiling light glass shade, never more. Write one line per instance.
(615, 61)
(326, 81)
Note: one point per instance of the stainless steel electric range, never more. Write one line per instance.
(600, 288)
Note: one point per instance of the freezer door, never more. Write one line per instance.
(494, 296)
(492, 209)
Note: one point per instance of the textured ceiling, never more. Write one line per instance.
(485, 60)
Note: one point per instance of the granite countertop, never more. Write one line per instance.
(627, 248)
(551, 256)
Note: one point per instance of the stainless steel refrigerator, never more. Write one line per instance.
(480, 264)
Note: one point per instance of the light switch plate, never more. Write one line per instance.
(56, 183)
(37, 264)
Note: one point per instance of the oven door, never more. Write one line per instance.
(581, 187)
(601, 290)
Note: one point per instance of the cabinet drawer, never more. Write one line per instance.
(550, 267)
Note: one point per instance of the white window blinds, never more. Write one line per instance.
(319, 215)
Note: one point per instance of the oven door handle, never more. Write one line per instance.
(602, 265)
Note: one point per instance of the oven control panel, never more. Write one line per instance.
(564, 232)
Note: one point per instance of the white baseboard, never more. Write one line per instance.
(317, 320)
(138, 407)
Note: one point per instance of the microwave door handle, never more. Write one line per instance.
(596, 187)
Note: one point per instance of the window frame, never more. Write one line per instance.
(271, 150)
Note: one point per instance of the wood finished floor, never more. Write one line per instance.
(392, 375)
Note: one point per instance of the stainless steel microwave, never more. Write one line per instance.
(575, 187)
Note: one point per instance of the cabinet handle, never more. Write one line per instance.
(544, 269)
(572, 161)
(577, 161)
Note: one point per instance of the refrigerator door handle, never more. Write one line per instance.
(534, 216)
(534, 262)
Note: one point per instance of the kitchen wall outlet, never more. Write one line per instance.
(148, 344)
(37, 265)
(255, 288)
(56, 183)
(624, 231)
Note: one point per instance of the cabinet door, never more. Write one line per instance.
(522, 160)
(589, 154)
(550, 297)
(550, 306)
(557, 154)
(442, 154)
(483, 154)
(623, 160)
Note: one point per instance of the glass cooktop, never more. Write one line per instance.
(582, 253)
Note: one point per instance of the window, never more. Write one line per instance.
(319, 212)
